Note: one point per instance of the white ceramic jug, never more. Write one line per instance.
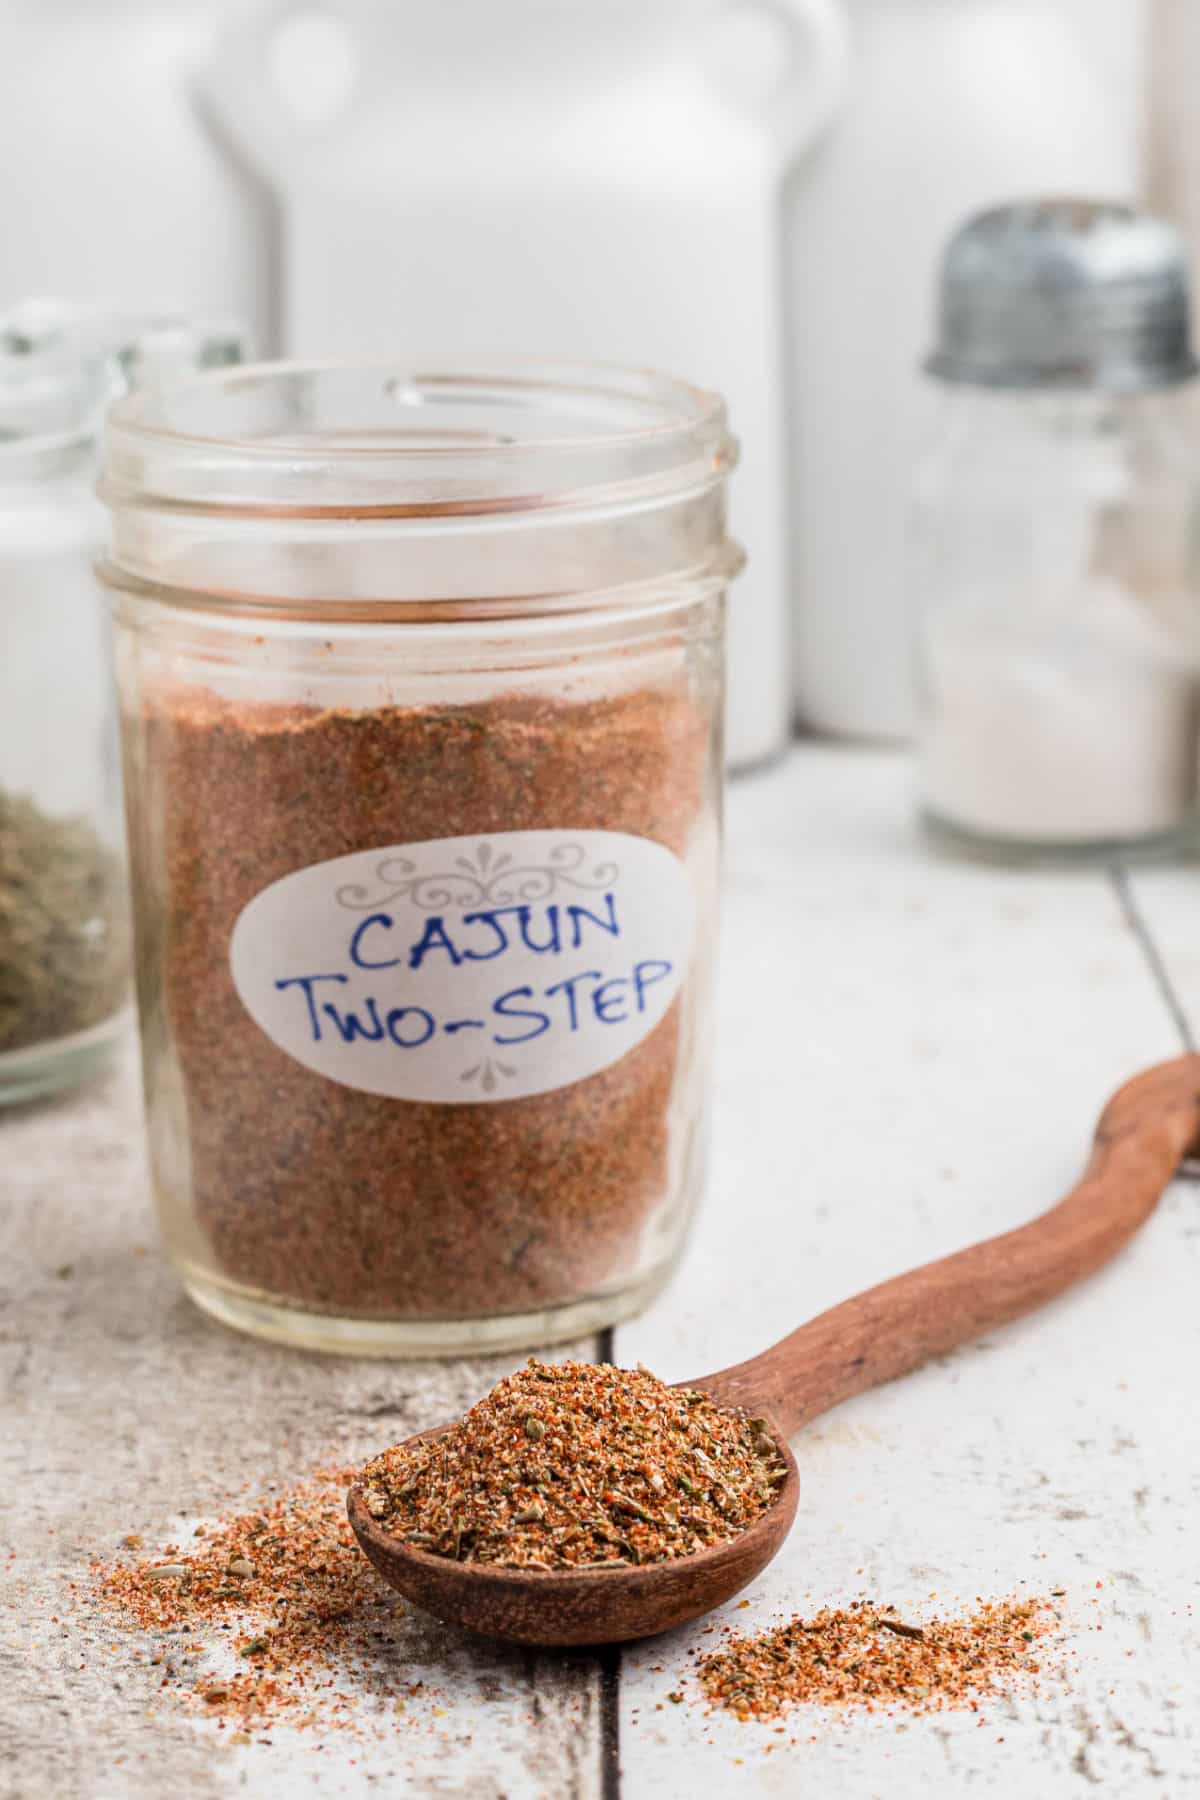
(562, 178)
(115, 189)
(955, 104)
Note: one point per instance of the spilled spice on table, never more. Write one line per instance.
(281, 1589)
(350, 1201)
(291, 1585)
(578, 1465)
(866, 1657)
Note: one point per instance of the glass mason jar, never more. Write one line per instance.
(421, 684)
(1055, 572)
(64, 946)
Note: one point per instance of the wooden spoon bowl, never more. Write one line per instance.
(578, 1606)
(1144, 1132)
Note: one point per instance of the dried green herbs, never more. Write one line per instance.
(579, 1465)
(64, 946)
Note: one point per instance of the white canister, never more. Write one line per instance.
(602, 182)
(126, 193)
(955, 105)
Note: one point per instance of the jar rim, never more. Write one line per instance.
(381, 435)
(52, 396)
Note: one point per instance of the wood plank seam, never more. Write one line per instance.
(609, 1659)
(1155, 960)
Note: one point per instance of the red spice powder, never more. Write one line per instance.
(865, 1657)
(580, 1466)
(351, 1202)
(284, 1589)
(289, 1580)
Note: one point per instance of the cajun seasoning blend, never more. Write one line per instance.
(579, 1466)
(421, 678)
(864, 1657)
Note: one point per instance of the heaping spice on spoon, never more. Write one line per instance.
(578, 1466)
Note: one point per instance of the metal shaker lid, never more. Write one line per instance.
(1065, 294)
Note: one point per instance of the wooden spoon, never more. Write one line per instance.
(1143, 1134)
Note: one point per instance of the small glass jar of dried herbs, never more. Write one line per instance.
(64, 951)
(421, 681)
(64, 930)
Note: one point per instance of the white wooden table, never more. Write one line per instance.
(912, 1053)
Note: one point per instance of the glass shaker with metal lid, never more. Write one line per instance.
(1054, 552)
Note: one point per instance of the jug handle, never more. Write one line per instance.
(812, 92)
(239, 90)
(241, 94)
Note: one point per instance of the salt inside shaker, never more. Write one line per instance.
(1054, 544)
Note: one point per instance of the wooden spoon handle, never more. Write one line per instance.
(1144, 1132)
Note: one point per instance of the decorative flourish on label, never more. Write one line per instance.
(484, 878)
(485, 1074)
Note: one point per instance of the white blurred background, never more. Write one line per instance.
(752, 193)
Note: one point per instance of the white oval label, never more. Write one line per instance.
(468, 969)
